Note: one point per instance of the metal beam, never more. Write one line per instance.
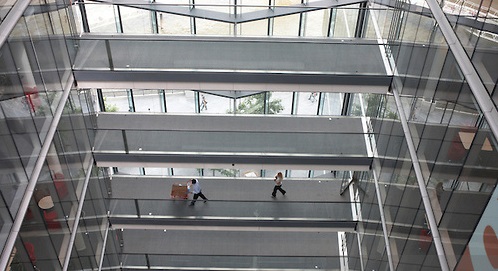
(198, 12)
(232, 225)
(481, 95)
(10, 21)
(28, 194)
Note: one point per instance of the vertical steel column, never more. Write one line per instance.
(119, 21)
(10, 21)
(361, 21)
(131, 100)
(16, 226)
(193, 29)
(302, 22)
(371, 146)
(109, 54)
(197, 102)
(294, 103)
(104, 246)
(266, 102)
(271, 6)
(162, 100)
(74, 230)
(101, 101)
(443, 262)
(155, 25)
(383, 220)
(235, 16)
(346, 104)
(84, 17)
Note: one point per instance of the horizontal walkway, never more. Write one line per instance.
(227, 141)
(144, 202)
(232, 198)
(241, 223)
(228, 64)
(201, 250)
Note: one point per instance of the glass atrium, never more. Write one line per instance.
(381, 115)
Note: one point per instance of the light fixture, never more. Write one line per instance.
(43, 198)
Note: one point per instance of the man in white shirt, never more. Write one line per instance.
(195, 188)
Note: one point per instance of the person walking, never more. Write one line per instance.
(204, 103)
(279, 178)
(196, 189)
(312, 97)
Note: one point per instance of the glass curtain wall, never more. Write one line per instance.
(455, 148)
(35, 69)
(452, 141)
(184, 101)
(190, 101)
(176, 18)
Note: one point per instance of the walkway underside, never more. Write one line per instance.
(231, 64)
(241, 223)
(227, 141)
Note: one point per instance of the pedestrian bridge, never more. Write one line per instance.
(230, 64)
(240, 221)
(231, 141)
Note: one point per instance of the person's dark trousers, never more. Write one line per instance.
(279, 188)
(197, 196)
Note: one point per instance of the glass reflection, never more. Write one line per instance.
(136, 21)
(101, 17)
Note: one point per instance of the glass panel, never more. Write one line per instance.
(285, 99)
(175, 2)
(483, 59)
(239, 142)
(6, 7)
(209, 27)
(101, 18)
(254, 104)
(136, 21)
(187, 172)
(384, 17)
(61, 22)
(222, 172)
(129, 170)
(339, 211)
(286, 25)
(344, 24)
(38, 24)
(424, 29)
(298, 173)
(116, 100)
(244, 262)
(307, 103)
(332, 104)
(215, 104)
(248, 105)
(284, 3)
(180, 101)
(410, 26)
(134, 260)
(317, 23)
(172, 24)
(255, 28)
(217, 5)
(148, 100)
(157, 171)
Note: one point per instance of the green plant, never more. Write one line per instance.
(255, 104)
(227, 172)
(110, 107)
